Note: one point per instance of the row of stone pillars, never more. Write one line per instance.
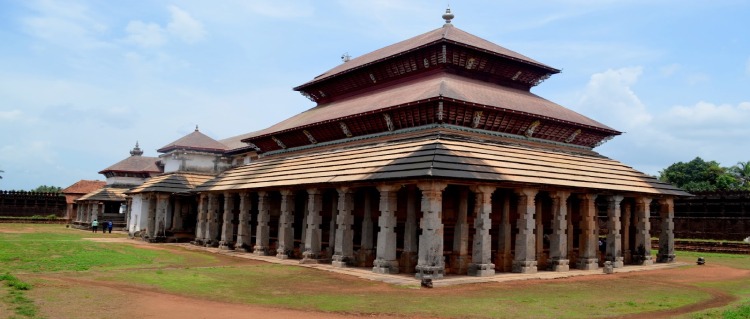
(428, 248)
(162, 215)
(88, 211)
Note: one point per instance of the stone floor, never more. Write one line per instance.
(449, 280)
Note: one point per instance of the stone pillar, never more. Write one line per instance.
(385, 261)
(95, 211)
(431, 263)
(79, 212)
(177, 215)
(332, 228)
(460, 257)
(626, 208)
(642, 254)
(343, 251)
(614, 237)
(244, 229)
(481, 264)
(212, 221)
(558, 240)
(504, 259)
(314, 235)
(227, 227)
(365, 242)
(408, 259)
(162, 201)
(666, 238)
(285, 245)
(200, 223)
(589, 238)
(151, 217)
(263, 231)
(538, 234)
(524, 259)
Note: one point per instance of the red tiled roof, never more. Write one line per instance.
(171, 183)
(195, 141)
(438, 85)
(106, 194)
(235, 142)
(135, 164)
(446, 33)
(84, 187)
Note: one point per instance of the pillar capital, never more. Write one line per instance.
(388, 187)
(528, 192)
(484, 189)
(615, 199)
(561, 195)
(587, 196)
(344, 190)
(432, 186)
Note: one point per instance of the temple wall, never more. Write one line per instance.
(122, 180)
(138, 211)
(27, 204)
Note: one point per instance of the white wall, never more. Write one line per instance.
(194, 162)
(138, 214)
(122, 180)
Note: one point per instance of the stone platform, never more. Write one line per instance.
(450, 280)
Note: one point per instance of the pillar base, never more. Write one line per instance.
(481, 270)
(429, 272)
(524, 267)
(382, 266)
(588, 264)
(618, 262)
(243, 248)
(197, 242)
(260, 250)
(309, 257)
(341, 261)
(225, 245)
(559, 265)
(643, 260)
(665, 258)
(282, 253)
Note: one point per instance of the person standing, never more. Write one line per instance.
(94, 225)
(109, 226)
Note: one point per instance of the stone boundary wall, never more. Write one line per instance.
(32, 221)
(27, 204)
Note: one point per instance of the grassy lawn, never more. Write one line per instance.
(28, 252)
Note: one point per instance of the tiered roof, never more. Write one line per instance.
(177, 183)
(195, 141)
(136, 164)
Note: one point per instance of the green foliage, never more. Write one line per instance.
(707, 176)
(47, 189)
(741, 312)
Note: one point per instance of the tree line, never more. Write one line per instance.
(699, 175)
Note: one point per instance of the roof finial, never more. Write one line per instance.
(448, 16)
(196, 127)
(136, 151)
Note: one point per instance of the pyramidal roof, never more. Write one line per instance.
(447, 33)
(135, 163)
(195, 141)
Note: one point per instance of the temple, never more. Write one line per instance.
(430, 156)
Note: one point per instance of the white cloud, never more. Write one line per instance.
(610, 99)
(669, 70)
(145, 34)
(69, 25)
(10, 115)
(184, 26)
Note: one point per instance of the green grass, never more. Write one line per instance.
(16, 299)
(67, 251)
(52, 249)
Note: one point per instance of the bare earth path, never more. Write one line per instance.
(120, 299)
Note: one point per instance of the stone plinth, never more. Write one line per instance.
(481, 270)
(559, 265)
(382, 266)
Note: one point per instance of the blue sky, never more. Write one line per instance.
(82, 81)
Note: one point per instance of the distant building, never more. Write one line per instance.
(74, 192)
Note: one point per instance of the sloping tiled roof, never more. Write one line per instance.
(106, 194)
(135, 164)
(445, 33)
(171, 183)
(443, 157)
(196, 141)
(83, 187)
(235, 142)
(441, 84)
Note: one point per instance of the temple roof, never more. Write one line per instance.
(135, 164)
(195, 141)
(440, 85)
(445, 157)
(171, 183)
(447, 33)
(106, 194)
(235, 143)
(83, 187)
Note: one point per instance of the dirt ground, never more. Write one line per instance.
(82, 294)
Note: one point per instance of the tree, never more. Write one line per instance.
(698, 175)
(47, 189)
(742, 172)
(1, 171)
